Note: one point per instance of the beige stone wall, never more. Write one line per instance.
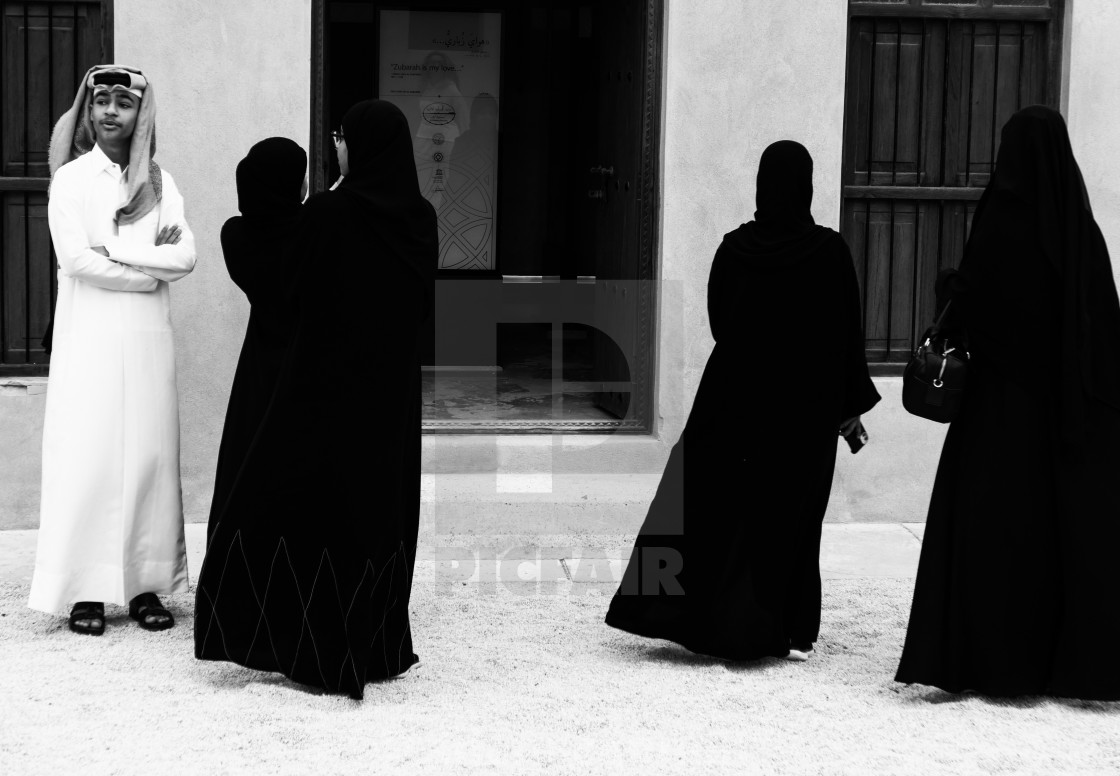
(1093, 111)
(739, 75)
(226, 75)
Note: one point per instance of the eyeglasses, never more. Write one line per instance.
(336, 136)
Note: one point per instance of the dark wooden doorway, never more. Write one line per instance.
(576, 194)
(929, 87)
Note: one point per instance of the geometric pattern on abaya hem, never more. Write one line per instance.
(352, 674)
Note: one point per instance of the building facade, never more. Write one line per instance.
(628, 136)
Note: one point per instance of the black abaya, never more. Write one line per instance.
(1016, 584)
(256, 246)
(726, 563)
(310, 567)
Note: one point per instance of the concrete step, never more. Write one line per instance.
(557, 562)
(535, 503)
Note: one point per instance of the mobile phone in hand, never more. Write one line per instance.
(857, 438)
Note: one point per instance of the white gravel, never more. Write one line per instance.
(520, 682)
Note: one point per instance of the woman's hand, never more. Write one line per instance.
(849, 425)
(169, 235)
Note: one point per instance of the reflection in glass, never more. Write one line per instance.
(442, 69)
(442, 112)
(467, 214)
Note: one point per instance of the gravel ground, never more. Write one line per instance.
(524, 679)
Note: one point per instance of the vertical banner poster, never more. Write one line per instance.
(442, 70)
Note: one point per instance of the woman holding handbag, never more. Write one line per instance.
(1016, 586)
(727, 562)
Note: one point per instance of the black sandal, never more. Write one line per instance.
(88, 610)
(147, 605)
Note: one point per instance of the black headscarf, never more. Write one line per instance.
(269, 180)
(1035, 164)
(383, 179)
(783, 231)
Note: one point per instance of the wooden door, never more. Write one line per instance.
(614, 188)
(47, 47)
(928, 91)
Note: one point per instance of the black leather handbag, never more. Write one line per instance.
(934, 381)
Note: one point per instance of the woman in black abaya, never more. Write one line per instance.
(726, 563)
(1017, 590)
(310, 565)
(256, 246)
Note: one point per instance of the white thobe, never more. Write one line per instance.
(111, 515)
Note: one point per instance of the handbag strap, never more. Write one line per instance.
(936, 328)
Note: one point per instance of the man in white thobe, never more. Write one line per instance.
(111, 515)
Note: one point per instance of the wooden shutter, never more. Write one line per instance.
(930, 85)
(47, 47)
